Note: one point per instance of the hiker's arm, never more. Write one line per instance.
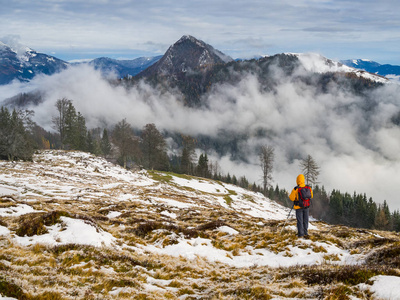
(293, 195)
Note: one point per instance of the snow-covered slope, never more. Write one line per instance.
(389, 71)
(91, 228)
(314, 62)
(23, 63)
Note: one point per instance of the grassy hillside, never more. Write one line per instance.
(74, 226)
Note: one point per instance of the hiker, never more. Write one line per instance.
(301, 196)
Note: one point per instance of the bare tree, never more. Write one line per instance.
(310, 170)
(267, 160)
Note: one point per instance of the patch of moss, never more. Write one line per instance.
(228, 199)
(161, 177)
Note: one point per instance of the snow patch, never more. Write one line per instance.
(7, 190)
(201, 185)
(71, 231)
(113, 214)
(4, 231)
(16, 211)
(228, 230)
(384, 287)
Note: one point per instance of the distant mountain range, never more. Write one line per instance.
(123, 68)
(23, 63)
(189, 65)
(373, 67)
(187, 54)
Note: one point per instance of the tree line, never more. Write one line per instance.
(147, 148)
(16, 140)
(337, 208)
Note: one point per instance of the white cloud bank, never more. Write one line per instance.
(351, 138)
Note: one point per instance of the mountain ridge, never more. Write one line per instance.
(386, 70)
(23, 63)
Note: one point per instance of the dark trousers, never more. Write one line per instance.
(302, 221)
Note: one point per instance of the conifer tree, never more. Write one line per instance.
(92, 144)
(310, 169)
(81, 133)
(126, 142)
(154, 148)
(59, 121)
(381, 221)
(396, 220)
(5, 132)
(335, 207)
(15, 139)
(202, 166)
(105, 144)
(267, 160)
(188, 154)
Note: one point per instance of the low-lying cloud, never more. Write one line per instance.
(351, 137)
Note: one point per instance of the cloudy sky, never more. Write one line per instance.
(75, 29)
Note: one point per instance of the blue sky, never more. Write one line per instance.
(78, 29)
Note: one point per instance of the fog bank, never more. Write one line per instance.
(351, 137)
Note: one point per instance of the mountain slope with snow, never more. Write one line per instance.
(387, 70)
(313, 62)
(76, 226)
(23, 63)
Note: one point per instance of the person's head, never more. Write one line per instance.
(300, 180)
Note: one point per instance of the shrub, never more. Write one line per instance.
(148, 226)
(389, 256)
(35, 223)
(10, 289)
(351, 275)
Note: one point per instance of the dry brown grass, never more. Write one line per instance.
(75, 271)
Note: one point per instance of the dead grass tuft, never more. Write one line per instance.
(34, 223)
(350, 275)
(388, 256)
(10, 289)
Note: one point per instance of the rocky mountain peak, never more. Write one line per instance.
(187, 54)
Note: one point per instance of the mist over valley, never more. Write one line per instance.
(300, 104)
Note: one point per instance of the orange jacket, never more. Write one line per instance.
(294, 195)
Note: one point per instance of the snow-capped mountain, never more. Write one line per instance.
(187, 54)
(389, 71)
(23, 63)
(76, 226)
(313, 62)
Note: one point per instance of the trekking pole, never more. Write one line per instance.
(287, 218)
